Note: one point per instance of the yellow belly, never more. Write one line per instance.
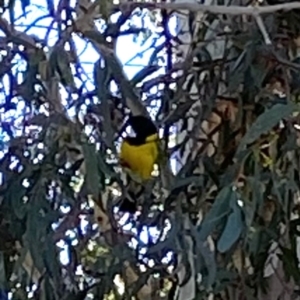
(140, 159)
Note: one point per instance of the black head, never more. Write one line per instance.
(142, 126)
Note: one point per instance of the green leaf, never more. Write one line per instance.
(80, 295)
(51, 259)
(210, 264)
(40, 120)
(48, 293)
(3, 279)
(36, 230)
(239, 61)
(256, 188)
(182, 182)
(59, 62)
(258, 74)
(255, 241)
(27, 87)
(102, 78)
(104, 167)
(223, 278)
(232, 230)
(295, 76)
(290, 263)
(239, 67)
(92, 176)
(265, 122)
(217, 213)
(15, 196)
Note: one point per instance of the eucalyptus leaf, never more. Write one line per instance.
(34, 237)
(59, 61)
(92, 176)
(51, 259)
(182, 182)
(143, 74)
(3, 278)
(258, 73)
(102, 78)
(256, 188)
(210, 263)
(15, 199)
(219, 210)
(265, 122)
(290, 263)
(232, 230)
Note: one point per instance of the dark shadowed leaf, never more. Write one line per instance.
(48, 293)
(251, 205)
(258, 73)
(265, 122)
(33, 236)
(224, 277)
(237, 69)
(51, 259)
(104, 167)
(295, 74)
(290, 263)
(15, 196)
(140, 76)
(39, 120)
(182, 182)
(3, 279)
(103, 77)
(217, 213)
(239, 61)
(80, 295)
(92, 177)
(59, 61)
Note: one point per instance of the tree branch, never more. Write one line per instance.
(214, 9)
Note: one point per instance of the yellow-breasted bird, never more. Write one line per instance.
(140, 153)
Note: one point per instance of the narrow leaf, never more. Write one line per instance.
(217, 213)
(232, 230)
(3, 280)
(182, 182)
(265, 122)
(102, 78)
(92, 178)
(60, 62)
(140, 76)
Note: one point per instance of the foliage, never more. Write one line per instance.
(233, 200)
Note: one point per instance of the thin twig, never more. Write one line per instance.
(263, 30)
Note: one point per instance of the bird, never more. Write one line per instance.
(138, 155)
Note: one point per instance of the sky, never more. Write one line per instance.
(133, 53)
